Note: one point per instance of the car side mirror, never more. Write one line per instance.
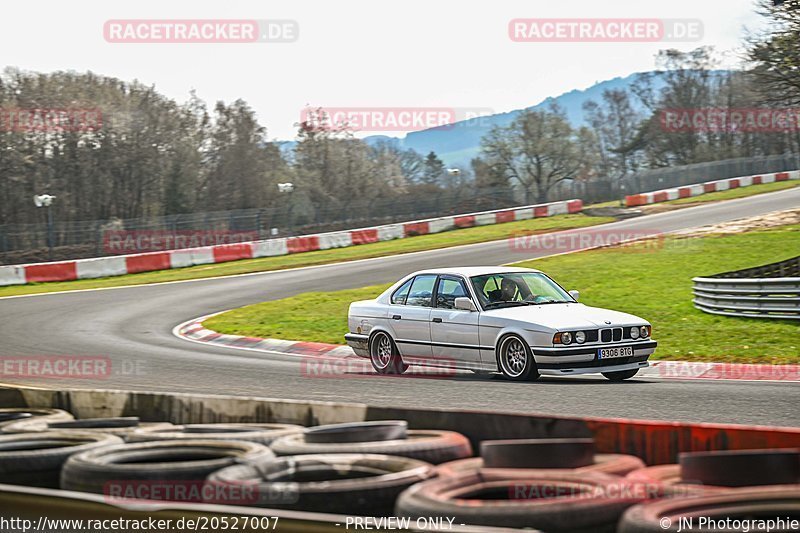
(575, 294)
(465, 304)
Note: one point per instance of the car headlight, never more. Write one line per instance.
(634, 333)
(580, 337)
(566, 337)
(644, 331)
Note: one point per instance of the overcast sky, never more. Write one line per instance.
(370, 53)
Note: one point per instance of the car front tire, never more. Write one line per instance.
(620, 376)
(384, 356)
(515, 360)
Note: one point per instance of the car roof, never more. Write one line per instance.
(475, 270)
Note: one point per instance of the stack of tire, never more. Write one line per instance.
(36, 458)
(358, 468)
(383, 468)
(340, 468)
(561, 485)
(122, 426)
(737, 487)
(11, 415)
(553, 485)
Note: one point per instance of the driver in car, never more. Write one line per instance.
(509, 290)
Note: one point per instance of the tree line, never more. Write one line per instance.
(150, 155)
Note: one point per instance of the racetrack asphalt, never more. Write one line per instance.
(133, 327)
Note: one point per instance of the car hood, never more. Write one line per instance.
(560, 316)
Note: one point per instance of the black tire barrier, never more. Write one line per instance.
(11, 415)
(377, 430)
(431, 446)
(742, 468)
(158, 469)
(604, 463)
(761, 503)
(553, 502)
(260, 433)
(363, 484)
(669, 476)
(537, 453)
(547, 455)
(35, 459)
(120, 426)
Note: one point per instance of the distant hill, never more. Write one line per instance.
(459, 143)
(456, 144)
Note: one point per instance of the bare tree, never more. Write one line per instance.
(537, 150)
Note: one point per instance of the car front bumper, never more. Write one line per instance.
(583, 360)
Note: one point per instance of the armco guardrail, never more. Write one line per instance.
(689, 191)
(101, 267)
(769, 291)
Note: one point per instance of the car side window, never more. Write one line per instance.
(450, 289)
(399, 296)
(421, 293)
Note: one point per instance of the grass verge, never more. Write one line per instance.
(651, 279)
(365, 251)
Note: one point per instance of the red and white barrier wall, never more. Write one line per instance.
(101, 267)
(688, 191)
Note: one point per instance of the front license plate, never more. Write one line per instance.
(608, 353)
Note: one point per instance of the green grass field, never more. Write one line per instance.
(652, 280)
(378, 249)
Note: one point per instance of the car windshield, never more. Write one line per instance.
(509, 289)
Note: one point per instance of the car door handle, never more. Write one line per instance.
(438, 320)
(396, 317)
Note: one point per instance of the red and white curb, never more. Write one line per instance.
(690, 191)
(101, 267)
(194, 331)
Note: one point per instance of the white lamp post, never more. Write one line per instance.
(288, 188)
(46, 200)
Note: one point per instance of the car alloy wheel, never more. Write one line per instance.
(383, 356)
(384, 349)
(516, 363)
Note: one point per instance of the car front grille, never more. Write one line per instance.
(611, 335)
(608, 335)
